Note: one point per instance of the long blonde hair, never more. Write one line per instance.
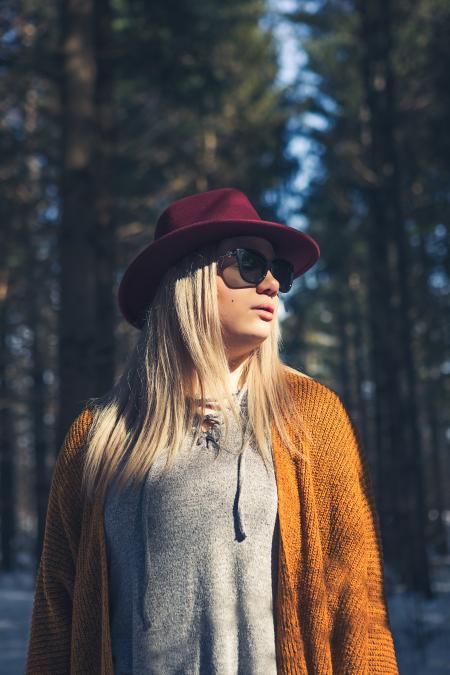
(179, 354)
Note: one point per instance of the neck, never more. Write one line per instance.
(236, 367)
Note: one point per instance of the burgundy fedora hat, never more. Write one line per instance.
(192, 221)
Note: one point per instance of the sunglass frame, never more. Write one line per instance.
(267, 265)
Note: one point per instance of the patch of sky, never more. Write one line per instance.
(439, 281)
(48, 376)
(54, 292)
(367, 389)
(43, 159)
(9, 36)
(14, 119)
(315, 121)
(310, 164)
(51, 190)
(18, 342)
(292, 61)
(359, 205)
(293, 73)
(51, 213)
(436, 242)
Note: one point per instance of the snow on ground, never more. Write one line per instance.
(16, 599)
(421, 629)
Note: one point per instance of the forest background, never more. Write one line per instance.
(110, 109)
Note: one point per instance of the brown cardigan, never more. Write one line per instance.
(330, 615)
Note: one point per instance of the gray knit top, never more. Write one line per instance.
(192, 560)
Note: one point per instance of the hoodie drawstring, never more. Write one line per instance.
(240, 512)
(212, 436)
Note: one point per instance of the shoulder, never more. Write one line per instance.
(311, 392)
(69, 460)
(318, 405)
(78, 430)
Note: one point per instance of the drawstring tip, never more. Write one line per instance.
(240, 527)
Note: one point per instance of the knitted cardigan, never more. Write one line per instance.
(331, 614)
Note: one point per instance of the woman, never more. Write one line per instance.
(213, 513)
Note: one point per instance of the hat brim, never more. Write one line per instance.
(142, 276)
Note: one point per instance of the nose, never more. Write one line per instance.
(268, 285)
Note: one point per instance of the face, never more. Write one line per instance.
(243, 326)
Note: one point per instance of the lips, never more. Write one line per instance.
(267, 308)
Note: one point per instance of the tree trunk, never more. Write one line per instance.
(105, 239)
(77, 317)
(390, 273)
(7, 454)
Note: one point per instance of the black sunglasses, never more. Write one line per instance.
(253, 267)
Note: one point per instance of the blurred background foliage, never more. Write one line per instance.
(110, 109)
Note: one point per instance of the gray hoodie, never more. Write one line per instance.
(192, 561)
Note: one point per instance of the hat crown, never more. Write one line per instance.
(214, 205)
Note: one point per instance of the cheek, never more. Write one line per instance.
(227, 301)
(224, 297)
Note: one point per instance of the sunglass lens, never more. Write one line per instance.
(252, 267)
(283, 271)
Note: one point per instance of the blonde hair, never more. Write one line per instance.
(179, 353)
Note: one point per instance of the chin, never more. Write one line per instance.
(248, 339)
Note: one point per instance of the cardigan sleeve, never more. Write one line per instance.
(352, 482)
(49, 642)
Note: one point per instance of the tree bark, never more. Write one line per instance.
(393, 359)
